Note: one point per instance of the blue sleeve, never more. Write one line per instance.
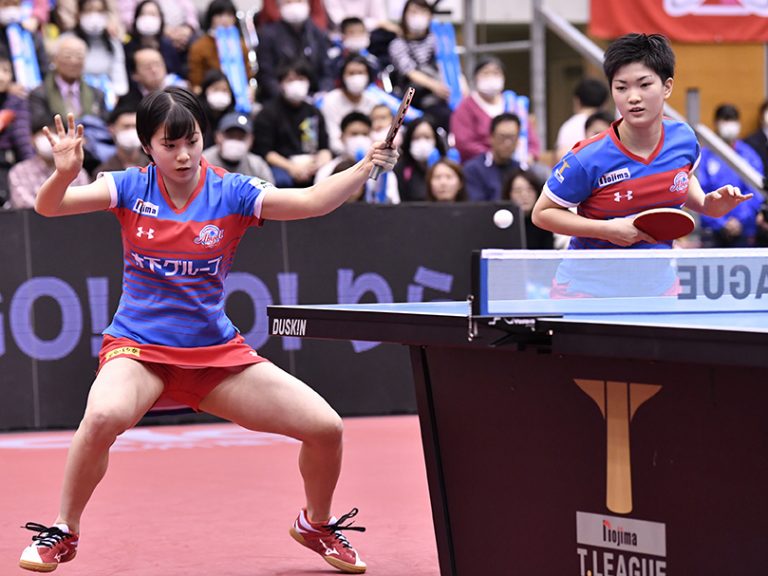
(246, 194)
(569, 184)
(125, 186)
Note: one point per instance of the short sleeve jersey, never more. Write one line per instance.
(175, 260)
(604, 180)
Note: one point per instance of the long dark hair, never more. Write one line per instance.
(176, 108)
(85, 37)
(142, 38)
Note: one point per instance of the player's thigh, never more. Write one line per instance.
(266, 398)
(123, 392)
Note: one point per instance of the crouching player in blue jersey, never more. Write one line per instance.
(181, 222)
(642, 161)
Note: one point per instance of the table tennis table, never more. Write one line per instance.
(582, 436)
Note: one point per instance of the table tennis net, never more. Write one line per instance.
(534, 282)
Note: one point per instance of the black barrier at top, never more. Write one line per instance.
(60, 285)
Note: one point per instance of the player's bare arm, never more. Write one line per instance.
(549, 215)
(56, 197)
(715, 204)
(326, 196)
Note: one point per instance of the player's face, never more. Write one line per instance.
(639, 94)
(177, 160)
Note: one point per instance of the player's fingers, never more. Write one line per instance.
(80, 130)
(59, 125)
(71, 123)
(47, 134)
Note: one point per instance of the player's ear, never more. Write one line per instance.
(668, 83)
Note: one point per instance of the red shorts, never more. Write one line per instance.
(188, 374)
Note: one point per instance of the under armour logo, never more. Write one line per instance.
(617, 196)
(140, 232)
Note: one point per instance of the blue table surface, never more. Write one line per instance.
(756, 321)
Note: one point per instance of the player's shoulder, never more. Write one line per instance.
(677, 129)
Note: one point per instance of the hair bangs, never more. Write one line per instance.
(179, 123)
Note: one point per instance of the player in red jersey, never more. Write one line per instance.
(181, 221)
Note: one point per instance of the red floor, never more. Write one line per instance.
(216, 500)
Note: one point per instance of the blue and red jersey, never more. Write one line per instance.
(604, 180)
(175, 260)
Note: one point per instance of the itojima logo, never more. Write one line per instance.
(145, 208)
(613, 177)
(289, 327)
(209, 236)
(618, 536)
(681, 182)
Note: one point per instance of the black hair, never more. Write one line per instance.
(350, 21)
(408, 4)
(359, 58)
(355, 117)
(591, 92)
(80, 33)
(504, 117)
(211, 77)
(176, 108)
(5, 56)
(410, 128)
(485, 60)
(217, 7)
(137, 13)
(300, 66)
(38, 122)
(119, 110)
(529, 175)
(603, 115)
(726, 112)
(652, 50)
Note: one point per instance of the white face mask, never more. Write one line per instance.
(296, 90)
(490, 85)
(295, 12)
(357, 43)
(148, 25)
(418, 23)
(379, 135)
(43, 146)
(356, 146)
(233, 150)
(422, 148)
(10, 14)
(729, 130)
(218, 100)
(128, 140)
(356, 83)
(93, 23)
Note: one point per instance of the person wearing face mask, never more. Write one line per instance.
(292, 37)
(11, 13)
(351, 96)
(738, 227)
(471, 121)
(290, 131)
(421, 147)
(28, 176)
(128, 152)
(758, 139)
(413, 56)
(355, 39)
(147, 31)
(234, 138)
(203, 52)
(217, 100)
(105, 58)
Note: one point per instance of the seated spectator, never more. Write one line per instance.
(149, 74)
(522, 188)
(758, 139)
(381, 119)
(15, 134)
(291, 37)
(128, 150)
(104, 65)
(349, 97)
(414, 57)
(739, 226)
(204, 52)
(355, 141)
(63, 89)
(234, 138)
(597, 122)
(146, 31)
(589, 96)
(354, 40)
(66, 15)
(217, 100)
(181, 23)
(485, 173)
(270, 12)
(445, 182)
(421, 147)
(291, 131)
(27, 176)
(371, 13)
(11, 13)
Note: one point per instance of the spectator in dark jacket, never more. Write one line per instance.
(486, 172)
(15, 133)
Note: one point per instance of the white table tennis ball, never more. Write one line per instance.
(503, 218)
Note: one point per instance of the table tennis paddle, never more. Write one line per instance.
(665, 223)
(397, 121)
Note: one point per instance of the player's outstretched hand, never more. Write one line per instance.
(622, 232)
(723, 200)
(383, 156)
(67, 146)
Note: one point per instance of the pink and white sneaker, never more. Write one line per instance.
(52, 546)
(327, 540)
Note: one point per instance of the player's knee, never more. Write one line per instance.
(103, 426)
(330, 430)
